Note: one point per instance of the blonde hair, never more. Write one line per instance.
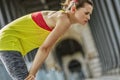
(65, 4)
(78, 3)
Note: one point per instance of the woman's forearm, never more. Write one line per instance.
(38, 60)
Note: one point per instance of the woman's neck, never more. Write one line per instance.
(72, 18)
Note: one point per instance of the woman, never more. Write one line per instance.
(40, 29)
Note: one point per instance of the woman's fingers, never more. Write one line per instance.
(30, 77)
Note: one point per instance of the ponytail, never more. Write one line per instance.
(65, 4)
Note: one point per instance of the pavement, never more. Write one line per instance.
(113, 77)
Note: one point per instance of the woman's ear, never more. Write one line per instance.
(73, 9)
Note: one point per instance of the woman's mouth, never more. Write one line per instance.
(85, 22)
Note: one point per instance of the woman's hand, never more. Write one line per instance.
(30, 77)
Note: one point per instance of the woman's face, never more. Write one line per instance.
(83, 14)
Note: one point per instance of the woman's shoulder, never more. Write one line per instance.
(53, 13)
(47, 12)
(55, 16)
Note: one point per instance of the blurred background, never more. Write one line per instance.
(83, 53)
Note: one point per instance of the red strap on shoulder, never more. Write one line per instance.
(38, 18)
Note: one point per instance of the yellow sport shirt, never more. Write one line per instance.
(23, 34)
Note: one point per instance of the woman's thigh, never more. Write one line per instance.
(14, 64)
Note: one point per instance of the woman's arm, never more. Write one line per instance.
(62, 25)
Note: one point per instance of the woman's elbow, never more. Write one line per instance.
(44, 49)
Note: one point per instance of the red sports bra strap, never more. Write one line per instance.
(38, 18)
